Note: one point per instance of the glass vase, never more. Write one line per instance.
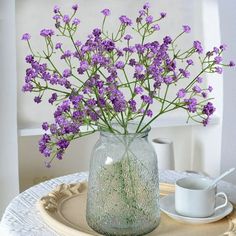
(123, 192)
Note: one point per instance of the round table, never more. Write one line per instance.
(22, 218)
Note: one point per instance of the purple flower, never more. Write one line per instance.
(84, 65)
(216, 50)
(53, 128)
(132, 62)
(46, 32)
(146, 6)
(218, 60)
(149, 19)
(56, 9)
(149, 113)
(97, 32)
(78, 114)
(29, 59)
(27, 87)
(63, 143)
(140, 48)
(181, 93)
(205, 121)
(101, 102)
(198, 46)
(208, 109)
(78, 43)
(109, 45)
(129, 49)
(197, 89)
(99, 59)
(199, 80)
(44, 140)
(167, 40)
(231, 64)
(223, 47)
(125, 20)
(138, 90)
(141, 13)
(53, 98)
(192, 104)
(37, 99)
(54, 79)
(168, 80)
(186, 28)
(60, 154)
(65, 106)
(204, 94)
(76, 100)
(209, 54)
(210, 89)
(106, 12)
(185, 73)
(26, 37)
(66, 54)
(46, 153)
(94, 116)
(147, 99)
(138, 68)
(75, 21)
(119, 64)
(75, 7)
(132, 104)
(58, 45)
(156, 27)
(128, 37)
(119, 104)
(45, 126)
(163, 14)
(218, 70)
(56, 17)
(66, 18)
(189, 62)
(66, 73)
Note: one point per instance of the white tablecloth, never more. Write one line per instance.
(21, 218)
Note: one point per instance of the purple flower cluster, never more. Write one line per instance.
(125, 20)
(186, 28)
(106, 12)
(94, 89)
(198, 46)
(208, 110)
(26, 37)
(46, 32)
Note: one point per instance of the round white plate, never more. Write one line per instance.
(167, 205)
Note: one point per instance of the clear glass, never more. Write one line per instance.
(123, 193)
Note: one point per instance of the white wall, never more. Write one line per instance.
(8, 116)
(228, 34)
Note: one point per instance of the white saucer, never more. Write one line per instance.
(167, 205)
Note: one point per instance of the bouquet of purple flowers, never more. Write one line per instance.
(112, 78)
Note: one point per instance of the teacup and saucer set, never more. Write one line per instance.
(196, 201)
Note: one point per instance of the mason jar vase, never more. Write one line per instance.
(123, 192)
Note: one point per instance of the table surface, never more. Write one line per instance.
(22, 218)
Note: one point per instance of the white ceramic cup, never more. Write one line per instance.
(193, 199)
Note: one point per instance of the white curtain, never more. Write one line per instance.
(9, 181)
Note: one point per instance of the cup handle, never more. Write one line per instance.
(225, 203)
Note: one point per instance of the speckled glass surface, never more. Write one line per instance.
(123, 194)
